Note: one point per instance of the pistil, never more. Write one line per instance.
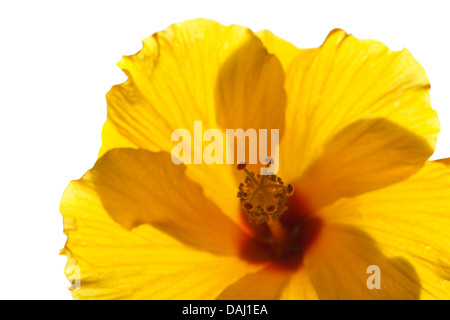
(263, 197)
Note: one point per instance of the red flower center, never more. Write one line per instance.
(285, 242)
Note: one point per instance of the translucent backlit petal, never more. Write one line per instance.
(348, 80)
(266, 284)
(139, 263)
(338, 268)
(196, 70)
(367, 155)
(250, 89)
(143, 187)
(299, 287)
(285, 51)
(410, 219)
(445, 161)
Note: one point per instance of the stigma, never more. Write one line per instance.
(263, 197)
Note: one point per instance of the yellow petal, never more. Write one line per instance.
(339, 268)
(299, 287)
(345, 81)
(285, 51)
(410, 219)
(142, 263)
(266, 284)
(173, 80)
(140, 186)
(186, 73)
(445, 161)
(367, 155)
(250, 89)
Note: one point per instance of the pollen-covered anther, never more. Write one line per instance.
(263, 197)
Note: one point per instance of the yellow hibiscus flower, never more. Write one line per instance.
(356, 130)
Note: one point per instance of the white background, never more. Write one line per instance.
(58, 61)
